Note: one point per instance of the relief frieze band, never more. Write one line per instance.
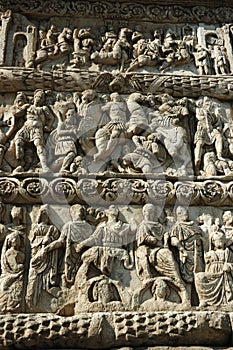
(124, 10)
(116, 174)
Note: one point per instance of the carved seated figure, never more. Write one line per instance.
(154, 256)
(12, 269)
(215, 285)
(106, 245)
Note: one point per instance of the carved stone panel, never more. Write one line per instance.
(116, 174)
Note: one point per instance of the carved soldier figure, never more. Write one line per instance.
(67, 134)
(167, 125)
(90, 110)
(144, 157)
(212, 165)
(138, 120)
(202, 60)
(38, 120)
(83, 47)
(209, 129)
(220, 60)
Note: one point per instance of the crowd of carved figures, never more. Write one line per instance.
(89, 132)
(130, 49)
(97, 255)
(101, 260)
(205, 50)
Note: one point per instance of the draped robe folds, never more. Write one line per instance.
(215, 286)
(75, 232)
(189, 237)
(107, 242)
(44, 266)
(150, 251)
(11, 279)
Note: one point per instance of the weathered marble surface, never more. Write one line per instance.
(116, 174)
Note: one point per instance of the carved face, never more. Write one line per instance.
(181, 213)
(20, 99)
(227, 217)
(70, 114)
(150, 212)
(38, 98)
(112, 211)
(220, 242)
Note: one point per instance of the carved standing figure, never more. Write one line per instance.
(202, 60)
(67, 135)
(44, 264)
(73, 233)
(187, 238)
(39, 119)
(209, 129)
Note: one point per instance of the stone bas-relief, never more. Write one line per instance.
(85, 133)
(198, 49)
(119, 258)
(116, 170)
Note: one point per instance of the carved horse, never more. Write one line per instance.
(118, 54)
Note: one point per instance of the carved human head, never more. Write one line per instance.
(43, 215)
(209, 157)
(157, 33)
(227, 217)
(112, 211)
(150, 212)
(17, 214)
(135, 97)
(160, 289)
(88, 95)
(71, 114)
(181, 213)
(20, 99)
(77, 212)
(115, 97)
(13, 240)
(219, 240)
(39, 97)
